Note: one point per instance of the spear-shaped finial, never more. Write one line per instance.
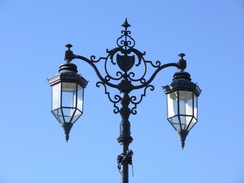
(126, 24)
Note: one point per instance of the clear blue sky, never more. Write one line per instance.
(32, 145)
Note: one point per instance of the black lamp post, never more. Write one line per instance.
(68, 89)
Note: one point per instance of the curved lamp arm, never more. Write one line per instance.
(69, 56)
(181, 65)
(154, 75)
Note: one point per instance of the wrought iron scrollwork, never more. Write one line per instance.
(135, 101)
(116, 99)
(125, 40)
(126, 70)
(128, 60)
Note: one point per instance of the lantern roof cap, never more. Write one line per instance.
(68, 67)
(68, 73)
(182, 81)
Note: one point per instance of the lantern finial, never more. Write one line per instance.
(182, 62)
(66, 127)
(182, 135)
(69, 56)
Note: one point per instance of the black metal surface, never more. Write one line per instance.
(182, 135)
(68, 73)
(182, 81)
(66, 127)
(125, 57)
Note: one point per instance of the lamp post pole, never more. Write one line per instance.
(125, 57)
(125, 158)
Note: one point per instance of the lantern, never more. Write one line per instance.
(67, 96)
(182, 104)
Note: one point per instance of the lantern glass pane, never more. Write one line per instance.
(56, 91)
(185, 102)
(59, 115)
(193, 122)
(174, 121)
(172, 104)
(68, 94)
(195, 106)
(77, 114)
(182, 109)
(185, 121)
(195, 113)
(80, 98)
(68, 114)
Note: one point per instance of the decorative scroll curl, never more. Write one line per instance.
(125, 40)
(133, 99)
(133, 69)
(116, 99)
(93, 59)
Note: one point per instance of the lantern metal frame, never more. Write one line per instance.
(67, 74)
(125, 57)
(182, 83)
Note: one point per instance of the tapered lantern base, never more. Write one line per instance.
(66, 127)
(182, 135)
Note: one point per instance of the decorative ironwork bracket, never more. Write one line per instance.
(125, 57)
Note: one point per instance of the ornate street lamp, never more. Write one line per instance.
(68, 86)
(67, 96)
(182, 103)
